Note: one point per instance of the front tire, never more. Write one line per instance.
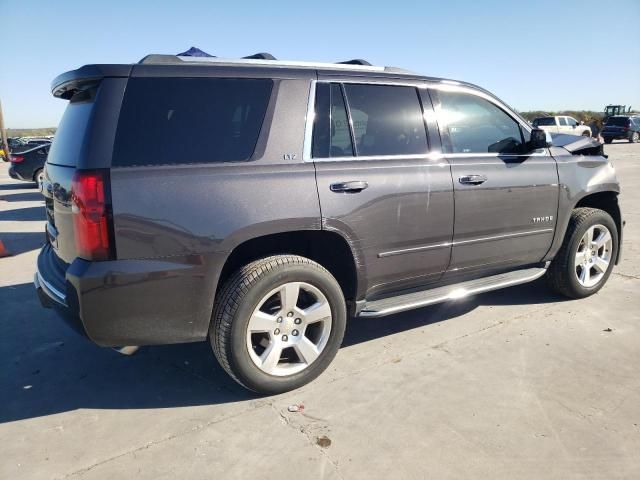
(277, 324)
(584, 262)
(634, 138)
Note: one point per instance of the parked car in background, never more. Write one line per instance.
(562, 124)
(621, 127)
(306, 194)
(28, 165)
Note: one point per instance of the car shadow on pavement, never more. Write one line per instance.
(24, 214)
(22, 196)
(361, 330)
(17, 186)
(49, 369)
(20, 242)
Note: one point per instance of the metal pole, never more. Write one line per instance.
(3, 134)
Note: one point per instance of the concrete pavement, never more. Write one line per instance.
(517, 383)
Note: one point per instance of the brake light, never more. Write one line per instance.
(90, 215)
(17, 159)
(628, 126)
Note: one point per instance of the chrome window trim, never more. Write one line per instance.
(308, 126)
(449, 87)
(445, 85)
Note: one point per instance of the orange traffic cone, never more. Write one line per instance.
(3, 250)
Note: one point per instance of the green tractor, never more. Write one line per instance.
(611, 110)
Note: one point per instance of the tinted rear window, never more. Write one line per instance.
(387, 120)
(66, 148)
(544, 121)
(618, 121)
(190, 120)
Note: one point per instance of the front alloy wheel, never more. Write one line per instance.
(587, 255)
(593, 255)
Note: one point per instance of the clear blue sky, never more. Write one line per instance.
(544, 54)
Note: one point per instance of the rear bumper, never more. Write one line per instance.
(130, 302)
(14, 173)
(615, 135)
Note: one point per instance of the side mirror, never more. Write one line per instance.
(539, 139)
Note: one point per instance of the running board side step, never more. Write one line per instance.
(409, 301)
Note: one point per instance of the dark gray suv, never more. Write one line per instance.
(259, 204)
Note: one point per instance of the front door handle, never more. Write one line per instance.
(472, 179)
(349, 187)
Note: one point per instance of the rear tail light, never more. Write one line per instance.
(89, 190)
(627, 126)
(16, 158)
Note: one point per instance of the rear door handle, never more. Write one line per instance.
(472, 179)
(349, 187)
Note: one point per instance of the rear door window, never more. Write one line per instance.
(331, 132)
(190, 120)
(562, 121)
(387, 120)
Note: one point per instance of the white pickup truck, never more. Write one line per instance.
(562, 124)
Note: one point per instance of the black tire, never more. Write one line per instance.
(236, 302)
(634, 137)
(37, 174)
(608, 140)
(561, 275)
(586, 133)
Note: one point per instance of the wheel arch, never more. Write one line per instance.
(328, 248)
(607, 201)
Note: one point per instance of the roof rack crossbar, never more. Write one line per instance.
(261, 56)
(356, 61)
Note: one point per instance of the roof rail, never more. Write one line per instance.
(268, 60)
(355, 61)
(261, 56)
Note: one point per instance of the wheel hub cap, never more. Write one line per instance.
(593, 255)
(289, 329)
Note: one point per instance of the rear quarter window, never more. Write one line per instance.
(67, 146)
(190, 120)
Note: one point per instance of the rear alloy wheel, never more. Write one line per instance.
(278, 323)
(295, 316)
(38, 177)
(635, 136)
(585, 260)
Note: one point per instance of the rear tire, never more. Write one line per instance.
(608, 140)
(566, 275)
(278, 323)
(38, 177)
(586, 133)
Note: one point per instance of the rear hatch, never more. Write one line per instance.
(79, 160)
(616, 125)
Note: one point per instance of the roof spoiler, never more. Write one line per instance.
(69, 83)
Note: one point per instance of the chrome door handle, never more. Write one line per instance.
(472, 179)
(348, 187)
